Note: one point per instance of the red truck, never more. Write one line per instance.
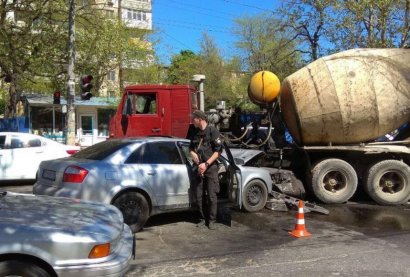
(147, 110)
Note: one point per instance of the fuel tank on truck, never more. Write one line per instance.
(349, 97)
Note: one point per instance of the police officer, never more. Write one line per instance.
(205, 148)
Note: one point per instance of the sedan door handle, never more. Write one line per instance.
(151, 173)
(156, 130)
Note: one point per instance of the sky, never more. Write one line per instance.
(179, 24)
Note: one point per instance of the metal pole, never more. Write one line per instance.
(120, 71)
(199, 78)
(70, 139)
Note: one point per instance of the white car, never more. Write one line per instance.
(22, 153)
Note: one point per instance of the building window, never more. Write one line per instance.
(136, 15)
(109, 13)
(111, 76)
(42, 119)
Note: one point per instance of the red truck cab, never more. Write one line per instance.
(147, 110)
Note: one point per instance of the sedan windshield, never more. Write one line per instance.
(101, 150)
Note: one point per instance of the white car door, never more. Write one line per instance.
(5, 158)
(26, 153)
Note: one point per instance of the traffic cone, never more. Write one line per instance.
(300, 230)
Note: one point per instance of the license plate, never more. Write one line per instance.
(49, 175)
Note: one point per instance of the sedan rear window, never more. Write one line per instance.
(101, 150)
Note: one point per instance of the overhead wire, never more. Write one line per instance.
(200, 7)
(247, 5)
(196, 11)
(191, 25)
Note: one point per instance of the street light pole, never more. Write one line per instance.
(70, 132)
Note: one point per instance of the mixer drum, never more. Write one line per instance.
(349, 97)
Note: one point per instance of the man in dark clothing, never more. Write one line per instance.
(205, 148)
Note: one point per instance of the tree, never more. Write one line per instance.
(146, 74)
(372, 23)
(238, 81)
(212, 66)
(183, 66)
(33, 46)
(27, 33)
(103, 44)
(308, 22)
(265, 45)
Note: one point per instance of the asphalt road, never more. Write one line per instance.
(355, 239)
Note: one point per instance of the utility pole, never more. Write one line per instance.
(70, 120)
(120, 72)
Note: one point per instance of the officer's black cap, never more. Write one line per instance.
(199, 114)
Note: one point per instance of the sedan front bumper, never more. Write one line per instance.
(116, 266)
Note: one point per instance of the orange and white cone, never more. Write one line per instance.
(300, 229)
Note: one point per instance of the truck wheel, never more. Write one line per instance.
(334, 181)
(255, 195)
(134, 208)
(20, 268)
(388, 182)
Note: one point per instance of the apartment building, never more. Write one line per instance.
(135, 14)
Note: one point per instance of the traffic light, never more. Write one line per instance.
(86, 87)
(56, 97)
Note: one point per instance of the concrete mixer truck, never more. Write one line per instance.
(335, 108)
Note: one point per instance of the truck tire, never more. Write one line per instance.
(388, 182)
(255, 195)
(334, 181)
(21, 268)
(134, 208)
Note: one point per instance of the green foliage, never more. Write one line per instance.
(104, 44)
(212, 66)
(3, 101)
(183, 66)
(371, 23)
(265, 45)
(33, 45)
(147, 74)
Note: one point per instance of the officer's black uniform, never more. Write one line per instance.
(205, 143)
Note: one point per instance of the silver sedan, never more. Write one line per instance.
(146, 176)
(50, 236)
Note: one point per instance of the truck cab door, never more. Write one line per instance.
(142, 115)
(235, 178)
